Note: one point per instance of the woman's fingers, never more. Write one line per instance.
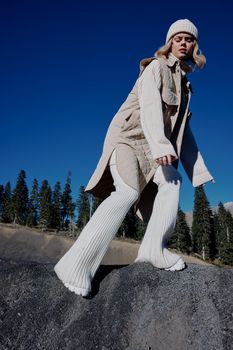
(165, 160)
(169, 159)
(160, 160)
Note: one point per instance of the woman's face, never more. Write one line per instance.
(182, 45)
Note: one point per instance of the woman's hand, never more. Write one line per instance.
(165, 160)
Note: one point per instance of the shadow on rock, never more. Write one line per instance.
(101, 273)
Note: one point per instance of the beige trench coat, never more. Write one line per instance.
(135, 162)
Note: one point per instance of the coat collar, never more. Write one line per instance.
(185, 67)
(172, 60)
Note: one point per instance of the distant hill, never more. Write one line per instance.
(227, 205)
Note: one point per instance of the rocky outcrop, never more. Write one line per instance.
(135, 307)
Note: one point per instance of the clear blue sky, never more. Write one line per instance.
(67, 66)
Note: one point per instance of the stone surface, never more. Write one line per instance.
(135, 307)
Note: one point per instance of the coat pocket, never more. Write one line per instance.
(169, 97)
(132, 121)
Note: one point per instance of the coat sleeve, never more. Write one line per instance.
(192, 160)
(151, 113)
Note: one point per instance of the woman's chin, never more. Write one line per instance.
(182, 56)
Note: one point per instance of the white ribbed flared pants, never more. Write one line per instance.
(78, 266)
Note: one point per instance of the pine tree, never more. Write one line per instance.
(181, 238)
(201, 226)
(132, 226)
(68, 206)
(7, 208)
(216, 230)
(227, 254)
(140, 228)
(33, 211)
(95, 202)
(45, 197)
(222, 218)
(1, 202)
(20, 199)
(128, 227)
(230, 227)
(91, 204)
(83, 206)
(57, 207)
(226, 223)
(213, 237)
(225, 235)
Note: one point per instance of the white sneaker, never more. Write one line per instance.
(179, 265)
(79, 291)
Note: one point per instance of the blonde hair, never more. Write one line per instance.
(198, 59)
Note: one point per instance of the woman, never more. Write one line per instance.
(142, 148)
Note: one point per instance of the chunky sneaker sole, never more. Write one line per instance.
(178, 266)
(79, 291)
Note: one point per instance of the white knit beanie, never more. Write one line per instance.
(182, 25)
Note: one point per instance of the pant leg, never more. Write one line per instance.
(80, 263)
(163, 219)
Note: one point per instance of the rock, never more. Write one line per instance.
(135, 307)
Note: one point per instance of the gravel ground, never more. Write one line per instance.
(134, 307)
